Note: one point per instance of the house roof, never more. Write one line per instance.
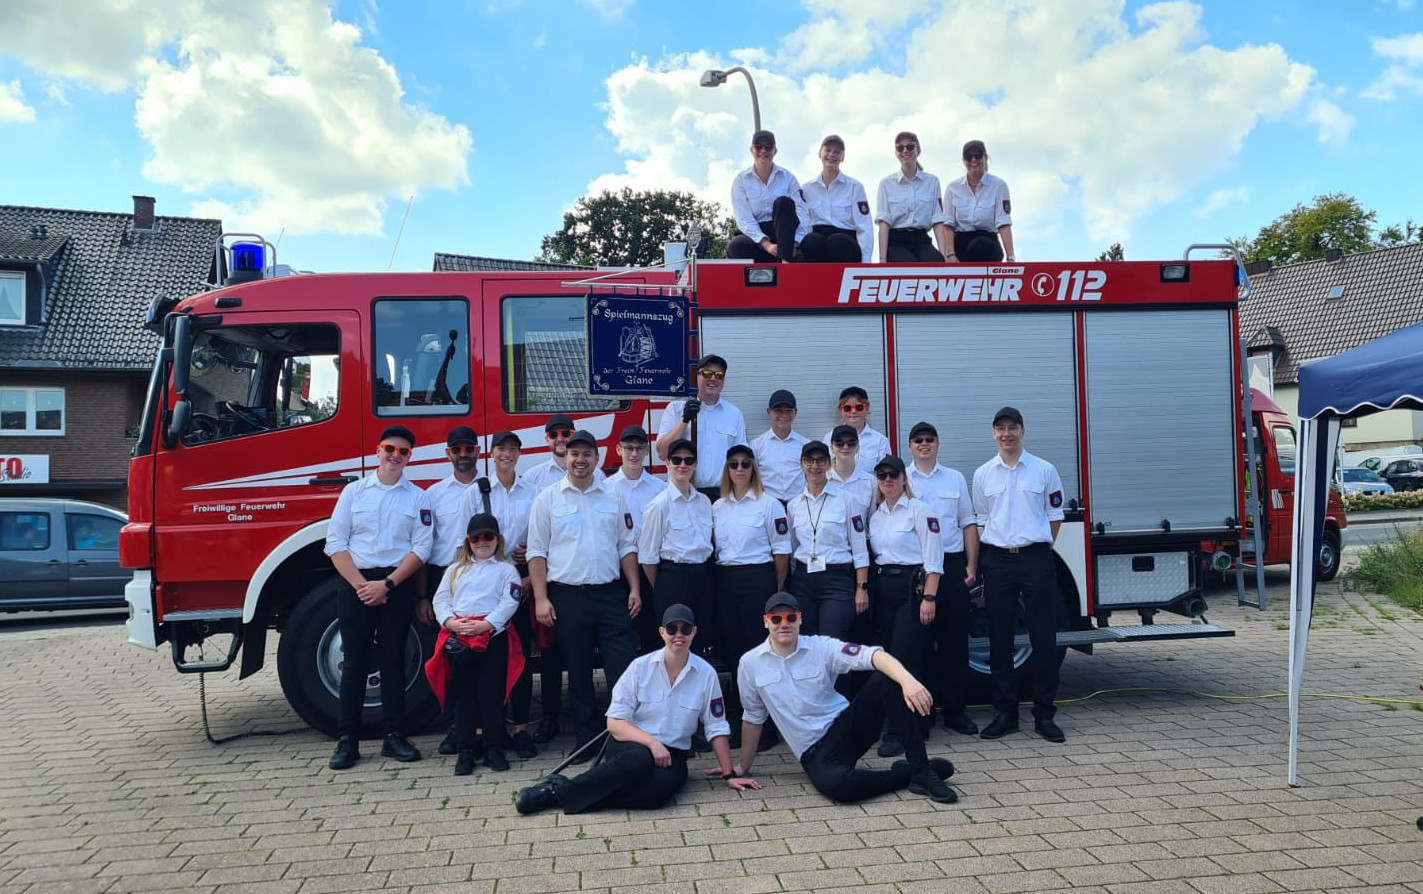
(448, 263)
(100, 274)
(1290, 311)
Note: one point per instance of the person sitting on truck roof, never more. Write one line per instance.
(855, 412)
(842, 228)
(908, 208)
(768, 206)
(979, 211)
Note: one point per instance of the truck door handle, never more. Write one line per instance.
(332, 481)
(54, 563)
(81, 562)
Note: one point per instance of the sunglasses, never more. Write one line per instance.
(762, 147)
(887, 474)
(484, 537)
(682, 460)
(388, 449)
(463, 449)
(788, 618)
(739, 464)
(922, 440)
(717, 374)
(676, 629)
(854, 407)
(560, 434)
(906, 147)
(977, 156)
(847, 443)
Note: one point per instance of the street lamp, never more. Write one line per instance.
(715, 78)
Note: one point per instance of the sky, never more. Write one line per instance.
(318, 124)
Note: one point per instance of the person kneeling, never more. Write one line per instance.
(656, 705)
(791, 678)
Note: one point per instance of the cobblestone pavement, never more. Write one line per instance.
(107, 785)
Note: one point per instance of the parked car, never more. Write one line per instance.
(1404, 474)
(57, 553)
(1359, 481)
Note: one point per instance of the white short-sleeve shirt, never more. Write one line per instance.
(669, 710)
(798, 691)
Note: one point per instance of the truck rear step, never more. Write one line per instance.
(1133, 634)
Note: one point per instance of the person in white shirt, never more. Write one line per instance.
(947, 494)
(717, 422)
(1018, 500)
(676, 539)
(557, 431)
(768, 208)
(908, 208)
(478, 595)
(846, 475)
(778, 449)
(855, 412)
(791, 679)
(842, 228)
(379, 536)
(831, 577)
(978, 211)
(656, 706)
(638, 486)
(580, 537)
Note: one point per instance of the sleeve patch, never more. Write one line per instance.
(427, 517)
(859, 524)
(864, 207)
(933, 525)
(1007, 206)
(718, 708)
(516, 592)
(627, 520)
(781, 526)
(851, 649)
(1055, 498)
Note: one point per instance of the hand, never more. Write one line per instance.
(690, 409)
(634, 604)
(424, 611)
(742, 783)
(970, 576)
(660, 755)
(543, 611)
(772, 248)
(718, 772)
(371, 593)
(917, 698)
(926, 613)
(480, 627)
(862, 601)
(518, 554)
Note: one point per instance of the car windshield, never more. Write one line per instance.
(1359, 475)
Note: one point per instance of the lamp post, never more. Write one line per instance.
(715, 78)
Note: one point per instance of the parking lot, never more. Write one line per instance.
(108, 785)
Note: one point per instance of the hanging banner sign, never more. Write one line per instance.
(637, 346)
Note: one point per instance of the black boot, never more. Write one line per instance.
(347, 752)
(397, 747)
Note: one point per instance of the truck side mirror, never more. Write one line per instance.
(179, 420)
(182, 343)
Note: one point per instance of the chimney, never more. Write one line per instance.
(1254, 268)
(143, 212)
(1333, 254)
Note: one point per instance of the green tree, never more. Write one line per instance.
(1400, 234)
(1306, 232)
(627, 228)
(1113, 253)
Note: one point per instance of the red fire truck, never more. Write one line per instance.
(267, 396)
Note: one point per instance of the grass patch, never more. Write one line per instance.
(1395, 569)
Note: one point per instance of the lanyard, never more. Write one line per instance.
(815, 523)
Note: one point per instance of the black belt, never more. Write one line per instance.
(838, 566)
(830, 229)
(1014, 550)
(379, 573)
(909, 231)
(898, 569)
(558, 583)
(664, 563)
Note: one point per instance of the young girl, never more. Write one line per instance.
(476, 598)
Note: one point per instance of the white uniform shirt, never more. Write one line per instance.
(676, 528)
(842, 204)
(988, 209)
(946, 493)
(720, 426)
(874, 447)
(908, 534)
(859, 488)
(489, 588)
(637, 493)
(669, 710)
(798, 691)
(582, 534)
(827, 526)
(909, 203)
(544, 474)
(380, 525)
(1016, 506)
(446, 499)
(778, 461)
(751, 201)
(751, 530)
(510, 505)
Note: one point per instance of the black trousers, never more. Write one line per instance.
(827, 599)
(896, 610)
(912, 246)
(780, 229)
(831, 244)
(1007, 576)
(741, 594)
(648, 619)
(382, 630)
(550, 675)
(831, 762)
(588, 617)
(949, 673)
(978, 245)
(689, 584)
(626, 778)
(479, 684)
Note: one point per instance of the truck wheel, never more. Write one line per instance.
(979, 676)
(309, 666)
(1329, 555)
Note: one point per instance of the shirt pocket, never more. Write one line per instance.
(994, 487)
(807, 679)
(565, 521)
(844, 214)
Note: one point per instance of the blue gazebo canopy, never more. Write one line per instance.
(1384, 374)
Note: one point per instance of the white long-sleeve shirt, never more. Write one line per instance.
(986, 210)
(779, 462)
(907, 534)
(798, 691)
(909, 202)
(669, 711)
(379, 524)
(676, 528)
(946, 492)
(841, 203)
(447, 499)
(827, 527)
(582, 534)
(751, 201)
(750, 531)
(489, 588)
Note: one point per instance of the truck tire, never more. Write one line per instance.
(309, 667)
(979, 677)
(1330, 556)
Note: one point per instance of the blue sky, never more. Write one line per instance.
(1155, 125)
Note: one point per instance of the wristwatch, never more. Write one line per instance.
(389, 584)
(929, 597)
(864, 585)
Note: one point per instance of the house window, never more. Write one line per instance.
(32, 411)
(12, 298)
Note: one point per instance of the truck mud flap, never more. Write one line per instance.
(1134, 634)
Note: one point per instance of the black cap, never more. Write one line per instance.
(844, 431)
(713, 360)
(782, 599)
(781, 398)
(854, 391)
(583, 436)
(678, 612)
(891, 461)
(557, 420)
(398, 431)
(482, 523)
(1011, 413)
(973, 146)
(634, 433)
(503, 436)
(810, 447)
(920, 427)
(461, 434)
(763, 138)
(738, 448)
(682, 444)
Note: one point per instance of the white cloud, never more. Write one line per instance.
(608, 9)
(270, 114)
(1221, 198)
(541, 41)
(1333, 122)
(1094, 119)
(1404, 74)
(13, 107)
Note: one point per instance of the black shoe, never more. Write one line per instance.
(700, 743)
(1002, 725)
(547, 732)
(448, 745)
(494, 759)
(890, 746)
(347, 752)
(523, 745)
(961, 723)
(928, 784)
(464, 764)
(542, 795)
(1049, 730)
(397, 747)
(942, 768)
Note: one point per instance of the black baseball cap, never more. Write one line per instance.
(482, 523)
(678, 612)
(634, 433)
(782, 599)
(682, 444)
(974, 146)
(737, 448)
(920, 427)
(557, 420)
(583, 436)
(892, 462)
(713, 360)
(844, 431)
(810, 447)
(398, 431)
(1009, 412)
(763, 138)
(503, 436)
(781, 398)
(855, 391)
(461, 434)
